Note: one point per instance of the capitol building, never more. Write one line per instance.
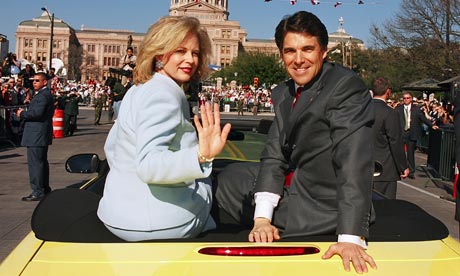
(88, 53)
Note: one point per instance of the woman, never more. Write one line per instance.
(158, 185)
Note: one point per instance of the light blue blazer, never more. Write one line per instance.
(155, 181)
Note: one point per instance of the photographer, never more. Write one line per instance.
(128, 64)
(11, 65)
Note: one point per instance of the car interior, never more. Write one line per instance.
(76, 221)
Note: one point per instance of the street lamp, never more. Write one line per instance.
(51, 17)
(236, 76)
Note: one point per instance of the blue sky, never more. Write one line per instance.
(257, 17)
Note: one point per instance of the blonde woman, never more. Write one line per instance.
(158, 185)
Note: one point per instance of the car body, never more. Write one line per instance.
(405, 240)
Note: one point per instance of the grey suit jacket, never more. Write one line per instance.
(327, 141)
(38, 128)
(388, 143)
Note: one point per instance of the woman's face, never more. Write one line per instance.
(182, 63)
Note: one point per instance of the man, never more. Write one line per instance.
(53, 80)
(240, 105)
(321, 142)
(98, 105)
(27, 74)
(388, 144)
(37, 135)
(39, 68)
(411, 119)
(12, 91)
(71, 111)
(119, 91)
(128, 62)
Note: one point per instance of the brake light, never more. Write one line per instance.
(259, 251)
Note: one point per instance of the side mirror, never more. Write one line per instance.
(378, 168)
(83, 163)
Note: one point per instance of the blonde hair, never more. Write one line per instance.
(163, 38)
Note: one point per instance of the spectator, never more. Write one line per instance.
(27, 74)
(6, 95)
(71, 112)
(98, 105)
(240, 105)
(11, 65)
(39, 68)
(12, 91)
(128, 62)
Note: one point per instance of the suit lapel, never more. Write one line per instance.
(285, 109)
(309, 94)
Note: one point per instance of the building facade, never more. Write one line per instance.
(88, 53)
(33, 42)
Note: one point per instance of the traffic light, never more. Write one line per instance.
(256, 82)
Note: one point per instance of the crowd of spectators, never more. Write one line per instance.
(239, 99)
(17, 90)
(440, 113)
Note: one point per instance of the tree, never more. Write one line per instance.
(268, 68)
(429, 33)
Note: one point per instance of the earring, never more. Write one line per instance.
(159, 65)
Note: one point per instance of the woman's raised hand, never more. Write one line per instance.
(211, 137)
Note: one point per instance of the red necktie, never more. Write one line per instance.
(288, 178)
(297, 95)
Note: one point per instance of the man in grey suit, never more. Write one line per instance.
(37, 135)
(315, 174)
(388, 144)
(411, 119)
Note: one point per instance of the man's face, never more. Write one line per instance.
(39, 82)
(407, 99)
(302, 56)
(11, 83)
(129, 52)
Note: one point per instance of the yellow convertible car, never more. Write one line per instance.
(404, 240)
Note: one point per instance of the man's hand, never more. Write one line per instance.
(19, 111)
(263, 231)
(350, 252)
(405, 173)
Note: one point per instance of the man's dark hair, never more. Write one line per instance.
(301, 22)
(42, 74)
(130, 48)
(380, 86)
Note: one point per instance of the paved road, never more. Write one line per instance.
(15, 214)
